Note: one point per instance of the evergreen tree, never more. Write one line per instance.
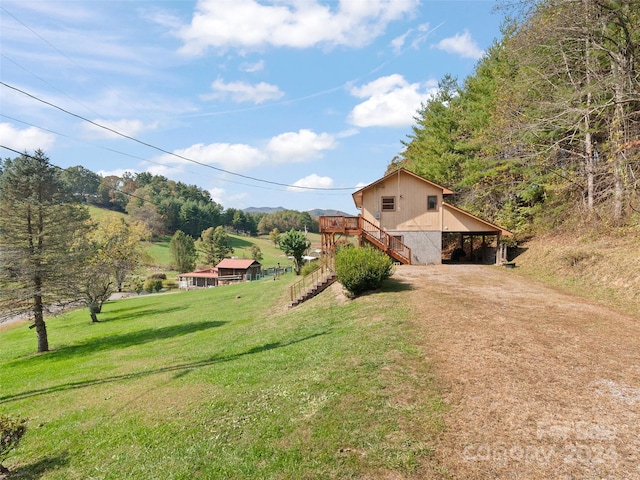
(215, 244)
(183, 252)
(41, 227)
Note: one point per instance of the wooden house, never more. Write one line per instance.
(230, 269)
(199, 279)
(406, 216)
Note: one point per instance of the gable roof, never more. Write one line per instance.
(357, 196)
(237, 263)
(484, 226)
(206, 273)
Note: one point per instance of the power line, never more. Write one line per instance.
(162, 150)
(148, 160)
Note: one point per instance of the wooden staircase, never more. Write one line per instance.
(311, 285)
(366, 231)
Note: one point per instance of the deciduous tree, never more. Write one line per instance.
(295, 244)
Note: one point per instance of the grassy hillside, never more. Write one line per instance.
(222, 383)
(160, 257)
(604, 266)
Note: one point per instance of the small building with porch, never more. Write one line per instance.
(206, 278)
(406, 216)
(236, 269)
(226, 271)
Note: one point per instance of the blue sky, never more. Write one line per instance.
(247, 99)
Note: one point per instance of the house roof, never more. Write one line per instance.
(458, 212)
(206, 273)
(357, 196)
(237, 263)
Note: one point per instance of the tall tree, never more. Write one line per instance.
(82, 181)
(120, 246)
(40, 228)
(183, 252)
(214, 244)
(295, 243)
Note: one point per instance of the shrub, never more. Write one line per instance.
(362, 269)
(11, 432)
(310, 267)
(138, 285)
(150, 285)
(158, 276)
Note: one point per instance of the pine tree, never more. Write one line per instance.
(40, 229)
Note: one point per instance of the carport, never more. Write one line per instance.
(473, 239)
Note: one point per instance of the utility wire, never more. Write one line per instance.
(162, 150)
(263, 187)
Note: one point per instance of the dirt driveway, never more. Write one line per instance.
(540, 384)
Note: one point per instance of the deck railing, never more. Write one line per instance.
(369, 232)
(338, 224)
(306, 283)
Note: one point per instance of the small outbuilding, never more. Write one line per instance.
(199, 279)
(227, 271)
(236, 269)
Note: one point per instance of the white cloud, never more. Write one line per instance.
(391, 102)
(28, 139)
(227, 156)
(252, 67)
(217, 194)
(118, 172)
(225, 24)
(311, 181)
(299, 146)
(124, 126)
(462, 45)
(398, 42)
(244, 92)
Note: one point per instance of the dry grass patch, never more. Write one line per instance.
(540, 384)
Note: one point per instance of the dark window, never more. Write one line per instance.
(388, 204)
(432, 202)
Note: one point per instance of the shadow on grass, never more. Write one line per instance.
(396, 285)
(128, 312)
(180, 370)
(240, 243)
(36, 470)
(116, 341)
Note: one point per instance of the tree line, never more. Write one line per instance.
(547, 128)
(166, 206)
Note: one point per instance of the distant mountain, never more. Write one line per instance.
(317, 212)
(263, 209)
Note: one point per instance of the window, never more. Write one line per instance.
(432, 202)
(388, 204)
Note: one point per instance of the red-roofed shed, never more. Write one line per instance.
(238, 269)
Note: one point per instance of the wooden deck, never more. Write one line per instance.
(365, 231)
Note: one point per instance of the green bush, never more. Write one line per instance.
(158, 276)
(362, 269)
(310, 267)
(153, 284)
(11, 431)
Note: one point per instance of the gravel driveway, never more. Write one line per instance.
(540, 384)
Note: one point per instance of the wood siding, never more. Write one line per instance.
(410, 213)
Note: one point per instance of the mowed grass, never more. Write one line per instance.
(223, 383)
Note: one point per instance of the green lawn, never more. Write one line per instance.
(223, 383)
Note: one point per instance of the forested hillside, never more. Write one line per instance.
(547, 129)
(165, 206)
